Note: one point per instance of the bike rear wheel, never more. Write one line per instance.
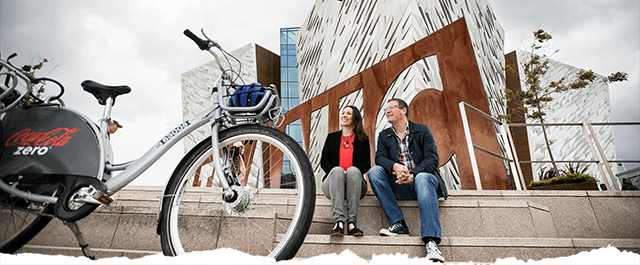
(20, 221)
(273, 212)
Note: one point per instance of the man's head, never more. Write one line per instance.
(396, 110)
(113, 126)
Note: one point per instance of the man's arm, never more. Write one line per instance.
(382, 154)
(430, 160)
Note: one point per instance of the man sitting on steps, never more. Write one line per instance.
(407, 169)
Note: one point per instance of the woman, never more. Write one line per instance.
(345, 157)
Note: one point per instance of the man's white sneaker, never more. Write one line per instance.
(395, 229)
(433, 253)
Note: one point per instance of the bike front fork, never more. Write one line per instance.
(228, 195)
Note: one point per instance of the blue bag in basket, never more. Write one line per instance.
(247, 95)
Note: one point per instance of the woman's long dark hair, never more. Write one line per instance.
(356, 119)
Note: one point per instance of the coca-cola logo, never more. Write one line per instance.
(56, 137)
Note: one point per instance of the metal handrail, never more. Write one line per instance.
(512, 160)
(610, 180)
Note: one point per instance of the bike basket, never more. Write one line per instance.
(247, 95)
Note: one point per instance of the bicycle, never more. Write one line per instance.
(228, 181)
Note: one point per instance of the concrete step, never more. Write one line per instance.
(466, 218)
(461, 249)
(473, 223)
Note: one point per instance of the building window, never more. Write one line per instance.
(289, 93)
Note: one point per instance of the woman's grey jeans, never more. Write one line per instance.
(340, 185)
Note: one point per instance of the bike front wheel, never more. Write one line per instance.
(273, 181)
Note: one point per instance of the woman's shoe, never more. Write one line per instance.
(354, 231)
(338, 229)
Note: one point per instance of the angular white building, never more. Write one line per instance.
(258, 65)
(568, 143)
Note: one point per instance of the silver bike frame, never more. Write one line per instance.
(133, 169)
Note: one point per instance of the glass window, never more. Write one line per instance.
(293, 90)
(286, 168)
(283, 61)
(283, 35)
(294, 102)
(283, 74)
(283, 50)
(291, 49)
(293, 74)
(285, 104)
(291, 60)
(293, 85)
(291, 37)
(296, 133)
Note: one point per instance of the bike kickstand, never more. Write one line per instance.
(81, 242)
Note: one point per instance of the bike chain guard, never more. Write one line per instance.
(78, 199)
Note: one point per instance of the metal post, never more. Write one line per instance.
(613, 179)
(472, 154)
(593, 152)
(511, 154)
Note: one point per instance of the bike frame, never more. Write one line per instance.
(133, 169)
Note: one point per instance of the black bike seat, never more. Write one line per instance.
(103, 92)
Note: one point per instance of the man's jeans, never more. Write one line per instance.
(423, 189)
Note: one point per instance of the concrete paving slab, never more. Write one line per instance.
(507, 222)
(542, 222)
(617, 217)
(457, 222)
(137, 231)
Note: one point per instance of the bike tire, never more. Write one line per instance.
(20, 221)
(195, 218)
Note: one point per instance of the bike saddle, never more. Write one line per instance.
(102, 92)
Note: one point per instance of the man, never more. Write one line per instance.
(113, 126)
(407, 169)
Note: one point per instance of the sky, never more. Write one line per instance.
(140, 44)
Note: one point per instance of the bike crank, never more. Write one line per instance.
(88, 195)
(79, 199)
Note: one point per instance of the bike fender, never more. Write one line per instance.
(48, 140)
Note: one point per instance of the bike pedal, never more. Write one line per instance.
(93, 196)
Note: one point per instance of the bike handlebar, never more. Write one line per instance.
(202, 44)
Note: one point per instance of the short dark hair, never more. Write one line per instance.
(401, 104)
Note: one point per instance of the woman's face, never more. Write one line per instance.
(346, 117)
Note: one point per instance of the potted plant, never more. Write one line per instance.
(570, 178)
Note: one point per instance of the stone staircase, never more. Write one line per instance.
(478, 226)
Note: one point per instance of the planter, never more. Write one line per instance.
(568, 186)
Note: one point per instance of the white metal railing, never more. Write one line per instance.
(609, 178)
(516, 171)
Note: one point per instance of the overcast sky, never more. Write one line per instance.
(140, 44)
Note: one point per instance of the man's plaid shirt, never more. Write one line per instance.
(405, 155)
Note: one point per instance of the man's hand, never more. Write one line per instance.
(402, 174)
(406, 178)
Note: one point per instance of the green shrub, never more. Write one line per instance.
(566, 178)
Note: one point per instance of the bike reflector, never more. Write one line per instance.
(247, 95)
